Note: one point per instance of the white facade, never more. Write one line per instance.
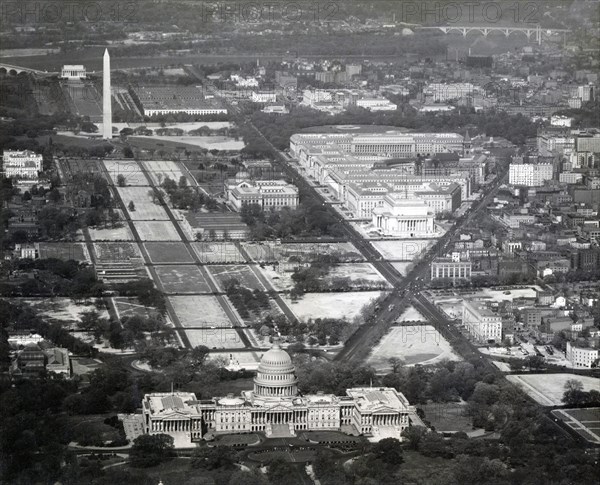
(376, 104)
(275, 408)
(441, 92)
(269, 194)
(263, 97)
(530, 174)
(454, 269)
(481, 322)
(312, 96)
(557, 120)
(189, 111)
(403, 218)
(582, 356)
(21, 164)
(70, 71)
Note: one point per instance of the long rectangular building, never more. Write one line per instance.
(389, 144)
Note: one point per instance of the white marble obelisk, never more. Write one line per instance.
(106, 99)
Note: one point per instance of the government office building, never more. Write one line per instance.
(276, 408)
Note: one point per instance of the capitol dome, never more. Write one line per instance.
(275, 375)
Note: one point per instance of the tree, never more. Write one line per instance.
(127, 152)
(88, 127)
(55, 195)
(131, 206)
(211, 458)
(279, 470)
(251, 477)
(535, 362)
(121, 182)
(150, 450)
(389, 451)
(413, 435)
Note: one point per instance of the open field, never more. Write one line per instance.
(217, 338)
(168, 252)
(129, 169)
(414, 344)
(145, 208)
(199, 311)
(182, 279)
(282, 281)
(64, 251)
(402, 250)
(402, 267)
(448, 416)
(159, 170)
(128, 307)
(109, 233)
(217, 252)
(116, 251)
(358, 271)
(548, 389)
(208, 142)
(330, 305)
(62, 310)
(586, 422)
(242, 273)
(157, 231)
(304, 252)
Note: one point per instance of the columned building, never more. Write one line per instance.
(402, 217)
(454, 267)
(75, 72)
(275, 408)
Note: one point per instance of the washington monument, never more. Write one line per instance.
(106, 99)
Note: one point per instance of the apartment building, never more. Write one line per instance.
(582, 356)
(530, 174)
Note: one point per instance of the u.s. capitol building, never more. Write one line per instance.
(275, 408)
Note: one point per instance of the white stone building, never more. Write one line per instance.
(269, 194)
(259, 97)
(403, 217)
(530, 174)
(73, 72)
(376, 104)
(21, 164)
(275, 408)
(455, 267)
(482, 323)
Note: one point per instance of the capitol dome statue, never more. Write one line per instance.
(275, 376)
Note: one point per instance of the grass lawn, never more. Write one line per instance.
(241, 273)
(221, 389)
(128, 307)
(168, 252)
(448, 416)
(182, 279)
(177, 471)
(63, 250)
(168, 146)
(92, 425)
